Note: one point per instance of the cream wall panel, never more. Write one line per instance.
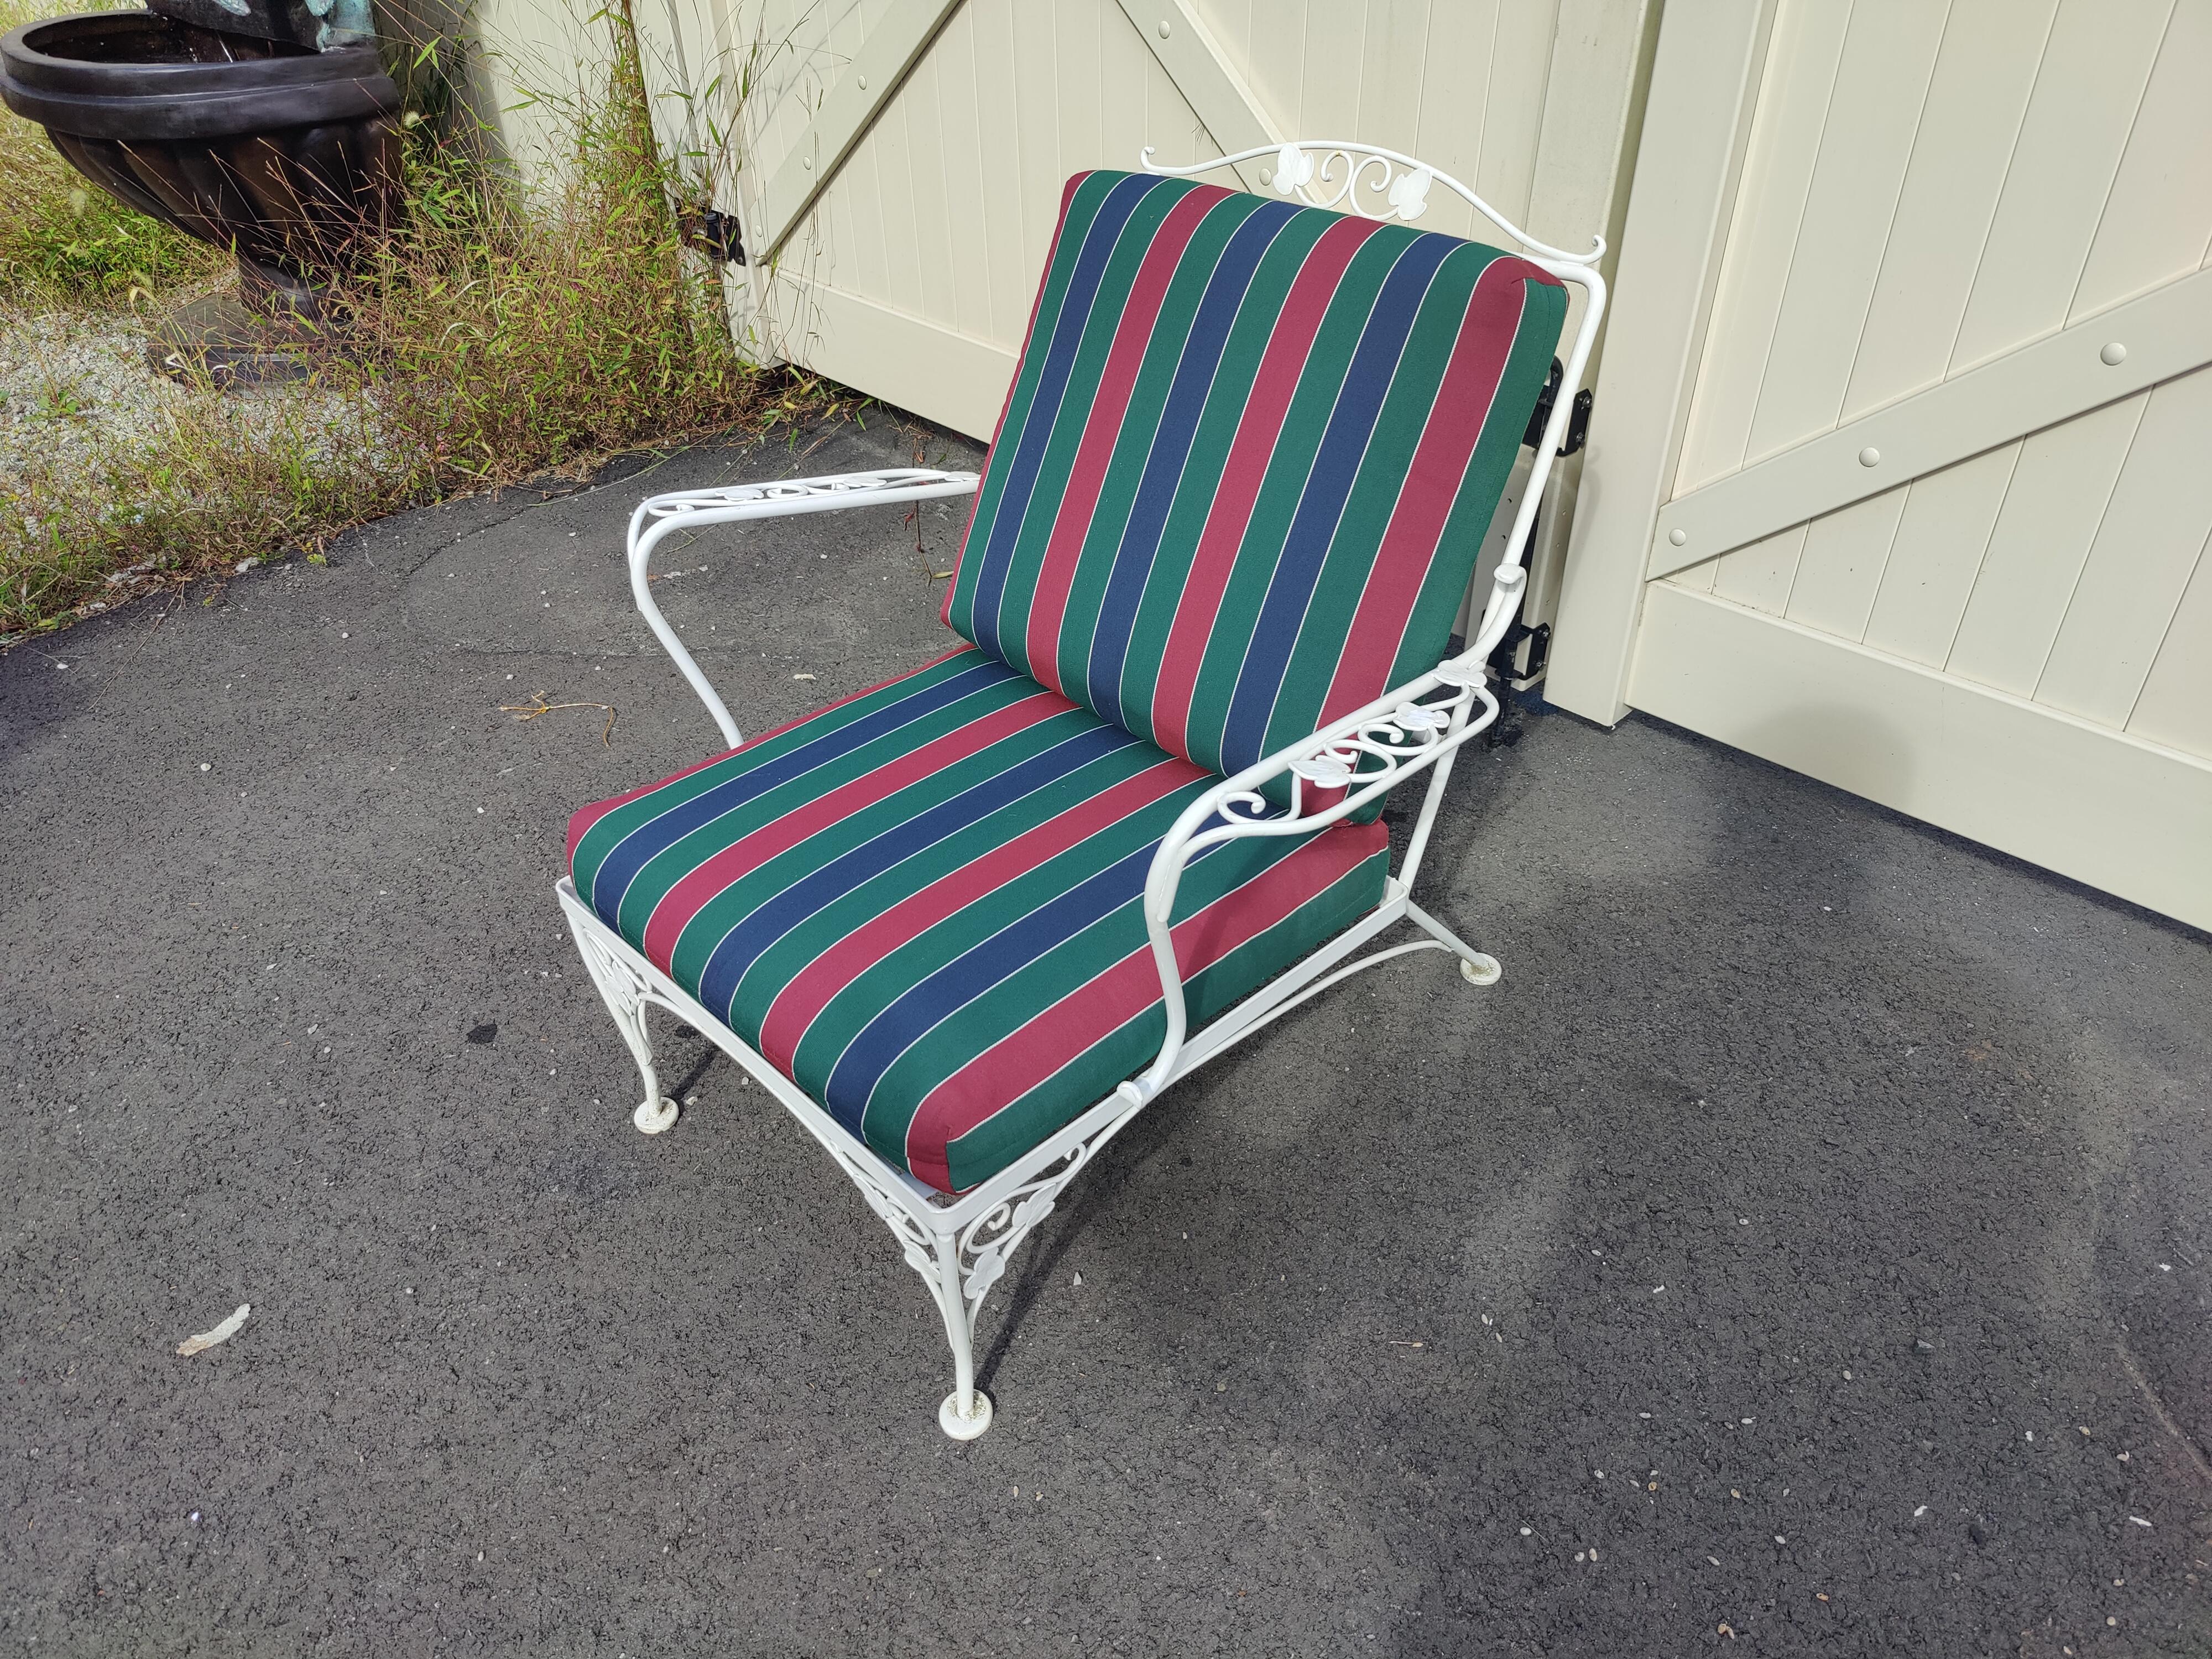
(1455, 113)
(1004, 213)
(1969, 125)
(2129, 816)
(1940, 537)
(2176, 705)
(968, 226)
(1785, 149)
(1840, 570)
(2049, 517)
(944, 211)
(1874, 113)
(2158, 218)
(1760, 575)
(1328, 93)
(2094, 71)
(2147, 545)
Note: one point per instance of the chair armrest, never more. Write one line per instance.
(658, 516)
(1407, 731)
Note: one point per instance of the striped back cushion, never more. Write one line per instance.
(1248, 461)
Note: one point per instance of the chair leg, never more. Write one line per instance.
(1474, 966)
(961, 1267)
(966, 1411)
(623, 992)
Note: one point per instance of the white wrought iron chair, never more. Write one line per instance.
(747, 815)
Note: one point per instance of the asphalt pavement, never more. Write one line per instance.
(1803, 1250)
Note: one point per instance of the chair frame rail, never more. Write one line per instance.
(960, 1244)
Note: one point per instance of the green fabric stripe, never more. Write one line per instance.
(1038, 985)
(1283, 487)
(609, 831)
(1135, 240)
(1218, 426)
(1082, 209)
(784, 961)
(1375, 491)
(834, 1030)
(1132, 447)
(705, 929)
(1544, 314)
(1085, 1080)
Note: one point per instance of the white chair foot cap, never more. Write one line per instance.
(964, 1428)
(652, 1116)
(1479, 969)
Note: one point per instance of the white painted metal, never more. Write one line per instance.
(659, 516)
(959, 1245)
(1950, 406)
(1327, 173)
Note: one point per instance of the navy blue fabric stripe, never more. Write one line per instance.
(1343, 446)
(989, 962)
(1178, 426)
(629, 855)
(1036, 436)
(743, 944)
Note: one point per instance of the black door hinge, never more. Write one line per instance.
(716, 233)
(1539, 641)
(1579, 413)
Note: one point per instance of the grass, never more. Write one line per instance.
(61, 241)
(495, 336)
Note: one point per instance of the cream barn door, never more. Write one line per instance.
(1934, 524)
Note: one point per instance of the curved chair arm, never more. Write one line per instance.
(684, 509)
(1356, 759)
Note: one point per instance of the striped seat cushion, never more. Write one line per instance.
(1248, 461)
(923, 906)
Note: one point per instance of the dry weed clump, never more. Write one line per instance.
(493, 335)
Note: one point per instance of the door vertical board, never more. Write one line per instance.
(2175, 707)
(1935, 555)
(2147, 545)
(2093, 73)
(2058, 495)
(1874, 113)
(1840, 570)
(1975, 102)
(1759, 576)
(2159, 216)
(1785, 144)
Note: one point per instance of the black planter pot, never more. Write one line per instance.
(288, 157)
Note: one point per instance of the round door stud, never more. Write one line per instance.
(2113, 355)
(1164, 28)
(1870, 456)
(1678, 536)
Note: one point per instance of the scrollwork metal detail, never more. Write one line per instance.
(1331, 177)
(843, 489)
(987, 1241)
(1370, 181)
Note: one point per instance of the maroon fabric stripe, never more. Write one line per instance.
(1447, 443)
(1103, 430)
(582, 820)
(810, 990)
(691, 894)
(1026, 1056)
(1272, 388)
